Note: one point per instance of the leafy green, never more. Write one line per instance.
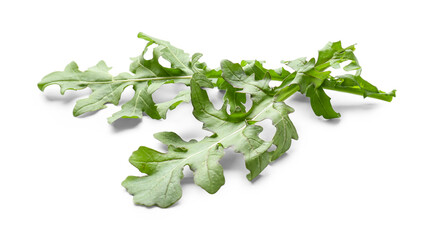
(161, 186)
(146, 77)
(233, 125)
(312, 78)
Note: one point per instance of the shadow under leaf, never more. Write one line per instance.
(125, 124)
(68, 97)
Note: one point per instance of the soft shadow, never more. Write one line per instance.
(299, 98)
(193, 134)
(233, 161)
(167, 92)
(88, 114)
(156, 207)
(253, 181)
(68, 97)
(187, 180)
(188, 177)
(285, 155)
(334, 121)
(125, 124)
(345, 109)
(355, 107)
(163, 147)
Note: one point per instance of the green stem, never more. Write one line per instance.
(380, 96)
(286, 92)
(143, 79)
(282, 95)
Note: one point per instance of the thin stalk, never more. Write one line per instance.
(284, 94)
(143, 79)
(387, 97)
(287, 92)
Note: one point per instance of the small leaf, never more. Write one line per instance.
(141, 102)
(320, 103)
(177, 57)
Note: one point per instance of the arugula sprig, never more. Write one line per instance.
(164, 171)
(311, 78)
(231, 125)
(146, 76)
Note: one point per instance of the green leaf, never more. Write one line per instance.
(165, 170)
(146, 77)
(73, 79)
(333, 54)
(235, 99)
(141, 102)
(320, 103)
(357, 85)
(256, 67)
(233, 125)
(161, 185)
(308, 76)
(234, 74)
(177, 57)
(296, 64)
(312, 78)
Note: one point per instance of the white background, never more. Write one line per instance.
(369, 175)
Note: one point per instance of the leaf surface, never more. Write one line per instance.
(235, 125)
(161, 185)
(312, 78)
(146, 76)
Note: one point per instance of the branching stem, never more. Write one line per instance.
(286, 92)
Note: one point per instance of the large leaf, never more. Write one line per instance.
(161, 185)
(146, 77)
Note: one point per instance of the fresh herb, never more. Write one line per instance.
(231, 125)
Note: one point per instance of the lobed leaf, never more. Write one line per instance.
(146, 76)
(233, 125)
(312, 78)
(161, 185)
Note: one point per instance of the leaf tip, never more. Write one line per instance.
(111, 120)
(126, 181)
(145, 37)
(249, 176)
(41, 86)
